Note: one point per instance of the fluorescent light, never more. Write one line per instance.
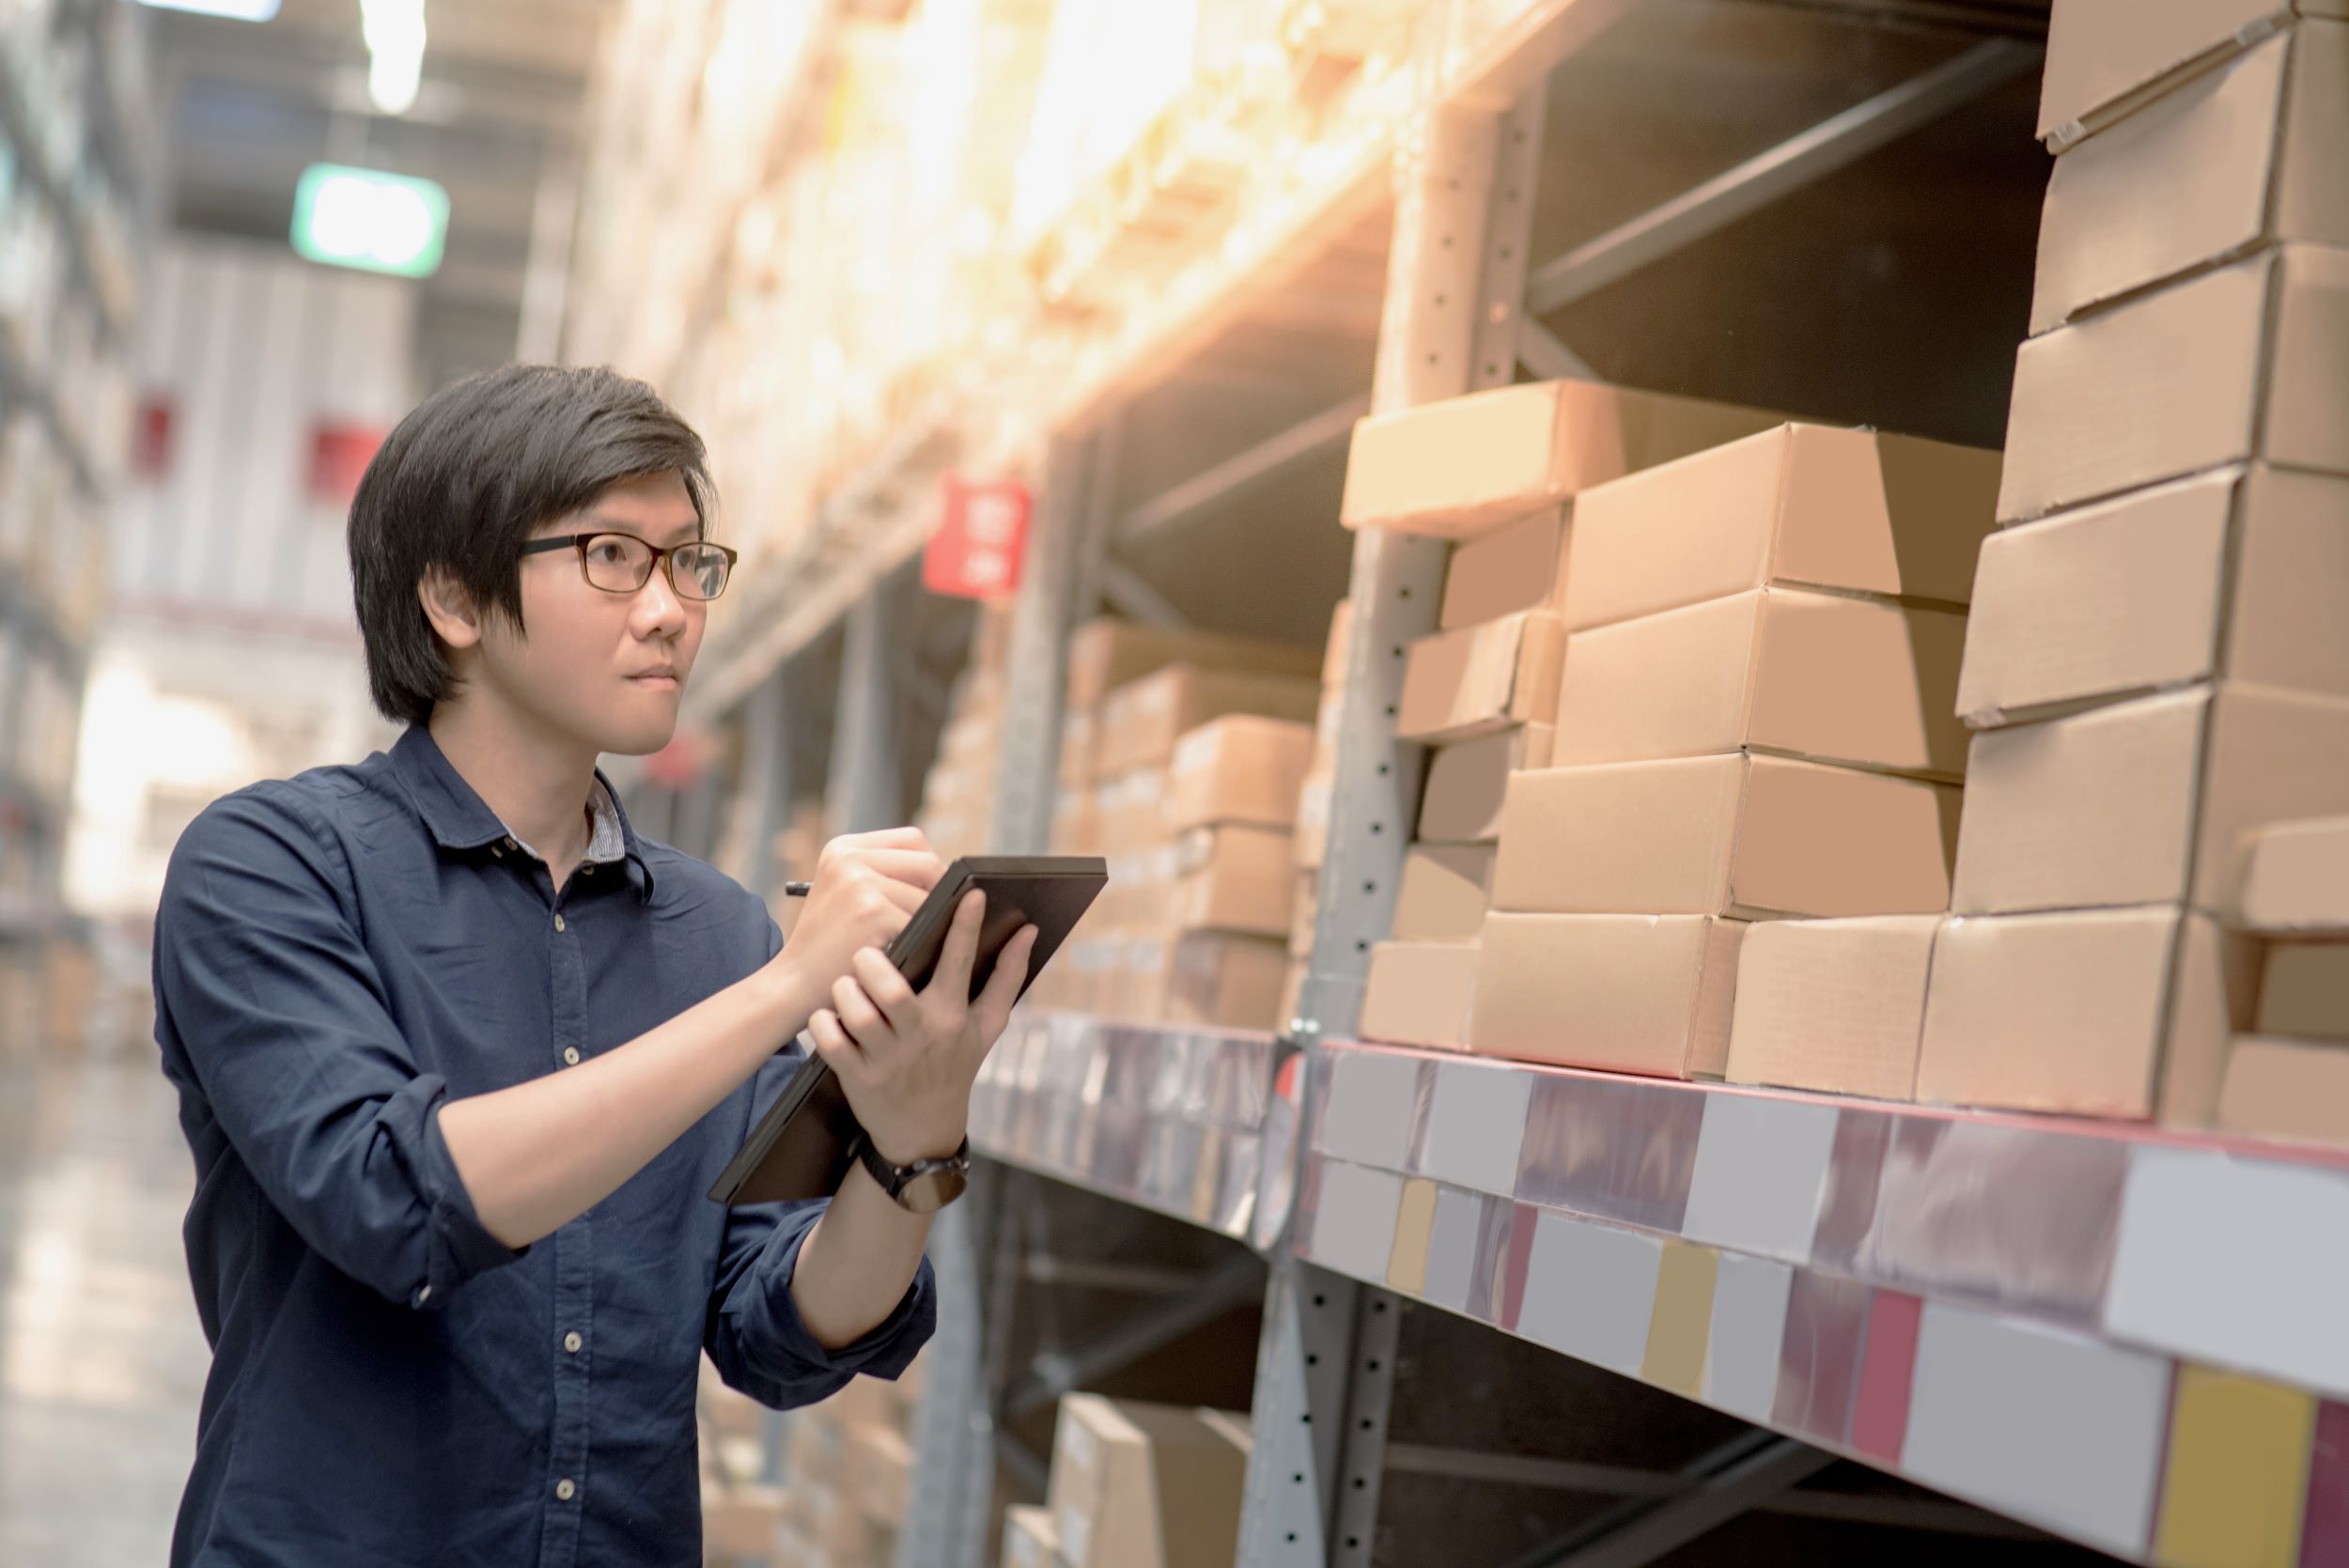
(395, 33)
(235, 10)
(364, 218)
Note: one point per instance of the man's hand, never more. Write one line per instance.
(908, 1062)
(866, 889)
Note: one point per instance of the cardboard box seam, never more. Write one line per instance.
(2063, 138)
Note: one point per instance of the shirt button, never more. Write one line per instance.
(509, 844)
(559, 925)
(424, 1295)
(565, 1489)
(572, 1341)
(570, 1056)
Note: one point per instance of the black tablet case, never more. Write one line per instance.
(801, 1147)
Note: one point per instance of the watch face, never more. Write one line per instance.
(932, 1191)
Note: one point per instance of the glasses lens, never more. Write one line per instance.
(701, 570)
(617, 564)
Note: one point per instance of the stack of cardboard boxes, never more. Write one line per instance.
(1182, 758)
(2158, 665)
(846, 1476)
(1136, 1485)
(959, 795)
(1754, 723)
(2290, 1077)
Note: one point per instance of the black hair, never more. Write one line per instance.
(465, 479)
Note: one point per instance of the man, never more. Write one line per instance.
(460, 1056)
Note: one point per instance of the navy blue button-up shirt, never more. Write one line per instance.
(335, 956)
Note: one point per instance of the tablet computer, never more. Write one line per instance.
(802, 1146)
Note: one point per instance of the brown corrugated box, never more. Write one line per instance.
(1235, 878)
(2295, 879)
(2228, 574)
(2304, 991)
(1313, 822)
(1239, 769)
(1803, 505)
(1076, 823)
(1077, 733)
(1736, 835)
(1464, 466)
(2144, 802)
(1445, 893)
(1028, 1539)
(2097, 1013)
(1515, 568)
(1462, 684)
(1104, 655)
(1138, 1485)
(1823, 675)
(2251, 151)
(1132, 809)
(2250, 361)
(2107, 58)
(1468, 783)
(1626, 993)
(1227, 981)
(1420, 994)
(880, 1462)
(1148, 717)
(1837, 1005)
(2286, 1089)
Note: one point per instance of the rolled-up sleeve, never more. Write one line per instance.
(262, 977)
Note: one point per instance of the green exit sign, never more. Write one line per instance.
(364, 218)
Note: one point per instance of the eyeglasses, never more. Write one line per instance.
(622, 562)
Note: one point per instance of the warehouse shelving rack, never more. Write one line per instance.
(2115, 1334)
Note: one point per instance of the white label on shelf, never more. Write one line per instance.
(1590, 1291)
(1760, 1171)
(1476, 1125)
(1748, 1331)
(1368, 1116)
(2237, 1262)
(1354, 1226)
(2049, 1427)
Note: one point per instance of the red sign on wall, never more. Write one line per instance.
(981, 539)
(339, 455)
(151, 447)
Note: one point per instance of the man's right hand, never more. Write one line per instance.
(867, 887)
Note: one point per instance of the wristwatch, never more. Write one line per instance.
(924, 1187)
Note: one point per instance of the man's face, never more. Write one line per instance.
(604, 668)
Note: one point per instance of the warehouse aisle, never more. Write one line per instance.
(102, 1360)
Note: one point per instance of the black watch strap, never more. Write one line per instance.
(894, 1179)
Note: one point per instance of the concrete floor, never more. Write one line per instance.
(101, 1361)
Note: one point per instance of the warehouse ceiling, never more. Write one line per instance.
(247, 106)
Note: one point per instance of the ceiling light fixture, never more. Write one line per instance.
(395, 33)
(235, 10)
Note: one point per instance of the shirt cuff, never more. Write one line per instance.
(457, 1246)
(885, 1352)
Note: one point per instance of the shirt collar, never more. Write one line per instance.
(459, 818)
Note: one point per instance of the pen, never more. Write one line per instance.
(796, 890)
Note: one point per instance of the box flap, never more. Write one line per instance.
(2091, 811)
(2102, 51)
(2160, 387)
(1837, 1005)
(2295, 879)
(2114, 600)
(1813, 840)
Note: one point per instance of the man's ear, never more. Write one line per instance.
(449, 608)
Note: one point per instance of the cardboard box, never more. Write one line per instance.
(2229, 574)
(1077, 735)
(1462, 684)
(1333, 652)
(1837, 1005)
(1420, 993)
(2250, 361)
(1729, 835)
(1075, 822)
(1304, 908)
(2304, 991)
(2248, 153)
(2295, 879)
(1239, 769)
(2097, 1013)
(1627, 993)
(1132, 809)
(1464, 466)
(1823, 675)
(1235, 878)
(1326, 721)
(2108, 57)
(1805, 505)
(1143, 981)
(1028, 1539)
(1313, 822)
(880, 1462)
(2286, 1089)
(1104, 655)
(1225, 981)
(1446, 892)
(740, 1521)
(1515, 568)
(1468, 783)
(814, 1447)
(1148, 718)
(1138, 1485)
(2144, 802)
